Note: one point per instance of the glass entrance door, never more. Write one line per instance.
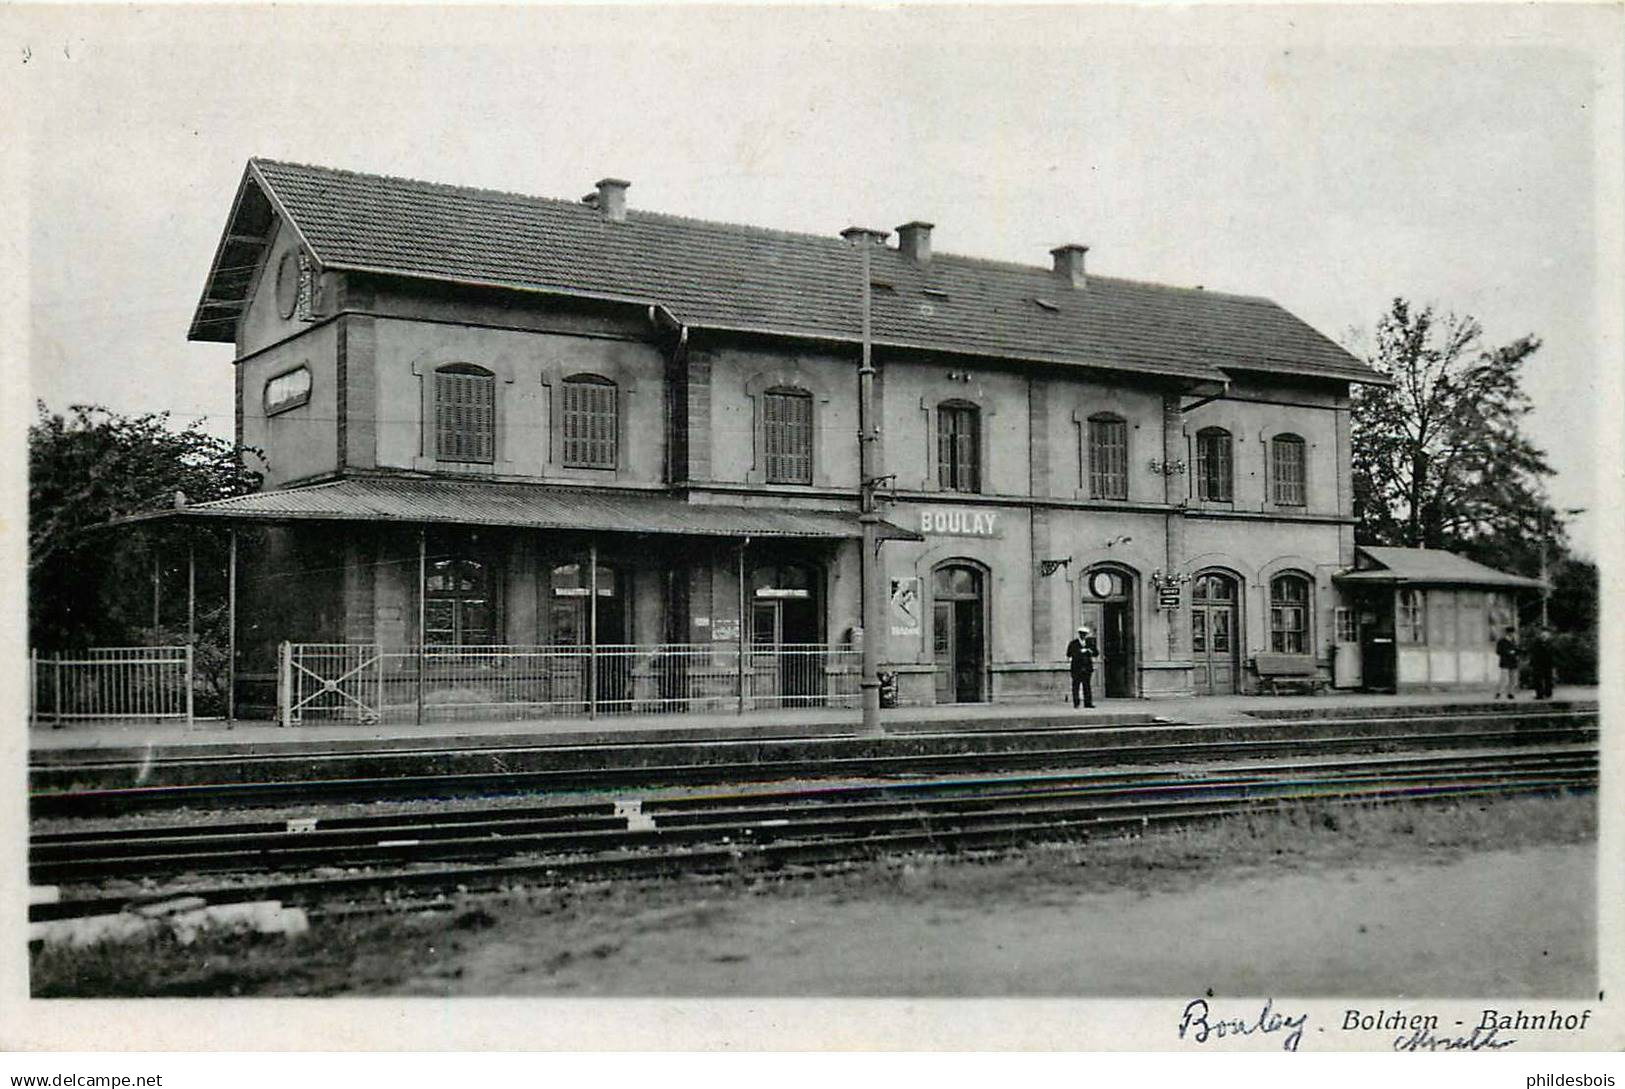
(1108, 609)
(1214, 637)
(957, 613)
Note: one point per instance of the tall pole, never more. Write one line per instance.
(868, 479)
(191, 590)
(423, 616)
(231, 627)
(592, 629)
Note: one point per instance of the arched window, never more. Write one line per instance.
(457, 598)
(1108, 457)
(1214, 477)
(591, 422)
(1290, 598)
(959, 447)
(1287, 470)
(465, 418)
(787, 434)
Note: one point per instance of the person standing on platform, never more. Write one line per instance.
(1082, 653)
(1506, 656)
(1540, 662)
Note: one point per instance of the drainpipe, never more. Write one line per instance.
(231, 629)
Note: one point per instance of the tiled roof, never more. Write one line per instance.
(526, 506)
(717, 275)
(1432, 565)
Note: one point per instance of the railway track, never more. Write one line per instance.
(763, 826)
(238, 782)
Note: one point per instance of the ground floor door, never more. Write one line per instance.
(1346, 671)
(607, 675)
(957, 626)
(788, 650)
(1215, 632)
(1108, 609)
(1378, 652)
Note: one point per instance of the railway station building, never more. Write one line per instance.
(498, 425)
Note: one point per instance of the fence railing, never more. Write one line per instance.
(112, 683)
(366, 683)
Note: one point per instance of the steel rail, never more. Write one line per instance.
(570, 812)
(122, 799)
(942, 820)
(767, 856)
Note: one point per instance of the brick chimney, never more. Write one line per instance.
(914, 241)
(610, 198)
(1069, 263)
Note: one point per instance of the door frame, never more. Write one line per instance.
(984, 574)
(1130, 601)
(1238, 621)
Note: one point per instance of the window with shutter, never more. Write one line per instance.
(1108, 457)
(465, 414)
(1286, 470)
(591, 422)
(1214, 481)
(959, 447)
(787, 436)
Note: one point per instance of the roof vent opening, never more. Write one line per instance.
(1069, 263)
(609, 197)
(914, 241)
(1046, 304)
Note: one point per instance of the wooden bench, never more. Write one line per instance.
(1274, 670)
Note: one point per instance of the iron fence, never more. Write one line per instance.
(366, 683)
(139, 683)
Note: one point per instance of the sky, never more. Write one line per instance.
(1330, 159)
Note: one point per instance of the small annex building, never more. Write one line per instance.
(1423, 618)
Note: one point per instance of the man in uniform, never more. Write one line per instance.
(1082, 653)
(1506, 656)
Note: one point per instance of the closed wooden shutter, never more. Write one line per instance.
(787, 435)
(465, 416)
(591, 423)
(1108, 458)
(1286, 453)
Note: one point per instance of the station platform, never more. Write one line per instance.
(75, 742)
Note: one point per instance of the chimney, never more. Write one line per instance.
(1069, 263)
(914, 241)
(860, 235)
(610, 198)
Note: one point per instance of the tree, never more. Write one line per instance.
(1439, 458)
(87, 468)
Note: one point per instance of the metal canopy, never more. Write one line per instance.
(523, 506)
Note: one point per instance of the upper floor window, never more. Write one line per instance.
(788, 434)
(1289, 614)
(1108, 457)
(290, 389)
(591, 422)
(464, 413)
(1215, 479)
(959, 447)
(1286, 470)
